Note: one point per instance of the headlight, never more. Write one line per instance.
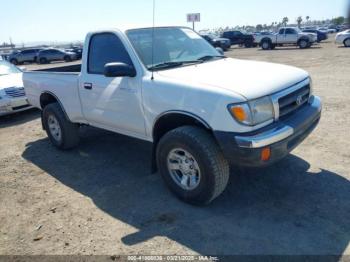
(253, 112)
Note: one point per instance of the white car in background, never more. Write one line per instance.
(343, 38)
(12, 95)
(327, 30)
(286, 36)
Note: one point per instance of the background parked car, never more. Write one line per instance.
(28, 55)
(216, 41)
(327, 30)
(343, 38)
(239, 38)
(12, 95)
(49, 55)
(321, 36)
(77, 50)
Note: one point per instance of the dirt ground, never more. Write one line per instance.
(102, 199)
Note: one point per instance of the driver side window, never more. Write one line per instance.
(290, 31)
(106, 48)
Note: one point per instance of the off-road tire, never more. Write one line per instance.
(69, 130)
(213, 166)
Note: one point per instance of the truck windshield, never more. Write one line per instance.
(173, 47)
(7, 68)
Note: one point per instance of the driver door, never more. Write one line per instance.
(291, 36)
(112, 103)
(281, 36)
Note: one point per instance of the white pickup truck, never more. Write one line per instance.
(286, 36)
(202, 111)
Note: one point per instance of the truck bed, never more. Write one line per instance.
(60, 81)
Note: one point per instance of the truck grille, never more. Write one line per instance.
(292, 102)
(15, 91)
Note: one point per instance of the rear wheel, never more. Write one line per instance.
(62, 133)
(347, 42)
(192, 165)
(266, 45)
(303, 44)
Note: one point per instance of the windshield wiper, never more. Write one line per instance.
(211, 57)
(172, 64)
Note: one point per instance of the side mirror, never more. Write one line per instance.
(22, 68)
(119, 70)
(220, 50)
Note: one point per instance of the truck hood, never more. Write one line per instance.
(12, 80)
(250, 79)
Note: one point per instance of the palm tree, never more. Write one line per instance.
(285, 21)
(299, 21)
(307, 19)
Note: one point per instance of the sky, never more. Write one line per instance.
(27, 21)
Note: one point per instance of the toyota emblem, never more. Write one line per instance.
(299, 100)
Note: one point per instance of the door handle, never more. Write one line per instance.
(88, 86)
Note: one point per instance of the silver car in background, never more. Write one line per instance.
(12, 95)
(48, 55)
(28, 55)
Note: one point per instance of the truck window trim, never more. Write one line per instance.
(89, 50)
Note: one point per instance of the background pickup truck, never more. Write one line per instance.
(239, 38)
(286, 36)
(183, 99)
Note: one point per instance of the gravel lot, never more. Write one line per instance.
(102, 199)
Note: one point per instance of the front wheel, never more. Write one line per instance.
(347, 42)
(62, 133)
(192, 165)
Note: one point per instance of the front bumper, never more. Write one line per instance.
(281, 137)
(13, 105)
